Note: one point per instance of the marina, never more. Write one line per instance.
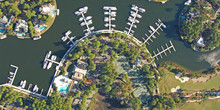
(159, 53)
(47, 63)
(159, 24)
(132, 19)
(12, 75)
(86, 21)
(111, 14)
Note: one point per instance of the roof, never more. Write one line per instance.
(61, 81)
(78, 70)
(4, 19)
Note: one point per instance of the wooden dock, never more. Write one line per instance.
(152, 34)
(159, 53)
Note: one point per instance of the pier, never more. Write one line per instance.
(159, 24)
(133, 19)
(64, 38)
(13, 74)
(111, 14)
(85, 20)
(159, 53)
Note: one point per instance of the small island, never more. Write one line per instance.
(199, 24)
(25, 18)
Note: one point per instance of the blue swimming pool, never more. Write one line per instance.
(2, 30)
(53, 11)
(64, 88)
(42, 28)
(20, 34)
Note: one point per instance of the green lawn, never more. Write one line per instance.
(168, 81)
(207, 105)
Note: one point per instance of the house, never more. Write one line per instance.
(47, 9)
(5, 21)
(21, 28)
(63, 84)
(39, 25)
(78, 74)
(200, 42)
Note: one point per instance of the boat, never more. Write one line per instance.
(130, 19)
(142, 10)
(3, 37)
(164, 25)
(129, 23)
(92, 28)
(77, 13)
(106, 19)
(58, 12)
(64, 38)
(113, 19)
(24, 83)
(11, 73)
(135, 14)
(81, 19)
(21, 83)
(45, 64)
(83, 9)
(113, 25)
(88, 17)
(35, 89)
(136, 21)
(106, 25)
(36, 37)
(109, 8)
(68, 33)
(30, 85)
(106, 13)
(152, 28)
(53, 58)
(41, 91)
(89, 22)
(135, 26)
(188, 2)
(83, 23)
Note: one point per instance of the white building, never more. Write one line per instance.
(47, 9)
(21, 28)
(78, 74)
(63, 84)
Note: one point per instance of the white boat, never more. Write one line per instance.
(53, 58)
(136, 21)
(36, 37)
(68, 33)
(113, 19)
(77, 13)
(23, 85)
(142, 10)
(113, 14)
(106, 25)
(129, 23)
(41, 91)
(113, 25)
(92, 28)
(164, 25)
(130, 19)
(135, 14)
(35, 89)
(106, 13)
(83, 23)
(188, 2)
(135, 26)
(89, 22)
(30, 85)
(88, 17)
(134, 6)
(81, 19)
(48, 54)
(64, 38)
(109, 8)
(11, 73)
(45, 64)
(106, 19)
(83, 9)
(3, 37)
(58, 12)
(152, 28)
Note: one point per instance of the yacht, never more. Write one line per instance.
(130, 19)
(77, 13)
(142, 10)
(152, 28)
(113, 25)
(113, 19)
(106, 19)
(135, 26)
(24, 83)
(106, 25)
(109, 8)
(89, 22)
(58, 12)
(136, 21)
(30, 85)
(83, 23)
(92, 28)
(83, 9)
(164, 25)
(45, 64)
(88, 17)
(129, 23)
(68, 33)
(21, 83)
(53, 58)
(81, 19)
(64, 38)
(36, 37)
(35, 89)
(3, 37)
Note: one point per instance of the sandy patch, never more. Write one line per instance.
(175, 89)
(182, 79)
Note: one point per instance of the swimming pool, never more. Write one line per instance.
(42, 28)
(2, 30)
(53, 11)
(20, 34)
(64, 88)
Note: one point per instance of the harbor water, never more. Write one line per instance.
(28, 55)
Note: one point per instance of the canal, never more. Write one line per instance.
(28, 54)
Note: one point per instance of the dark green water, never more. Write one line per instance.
(28, 54)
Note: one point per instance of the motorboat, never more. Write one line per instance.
(3, 37)
(136, 21)
(135, 14)
(130, 19)
(109, 8)
(53, 58)
(48, 54)
(83, 9)
(106, 25)
(35, 89)
(135, 26)
(81, 19)
(92, 28)
(83, 23)
(142, 10)
(45, 64)
(58, 12)
(152, 28)
(23, 85)
(36, 37)
(89, 22)
(77, 13)
(30, 85)
(129, 23)
(113, 25)
(68, 33)
(64, 38)
(88, 17)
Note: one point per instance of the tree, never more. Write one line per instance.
(146, 68)
(26, 6)
(78, 93)
(107, 88)
(22, 2)
(1, 13)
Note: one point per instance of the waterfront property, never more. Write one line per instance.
(38, 24)
(62, 84)
(5, 22)
(47, 9)
(78, 74)
(21, 28)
